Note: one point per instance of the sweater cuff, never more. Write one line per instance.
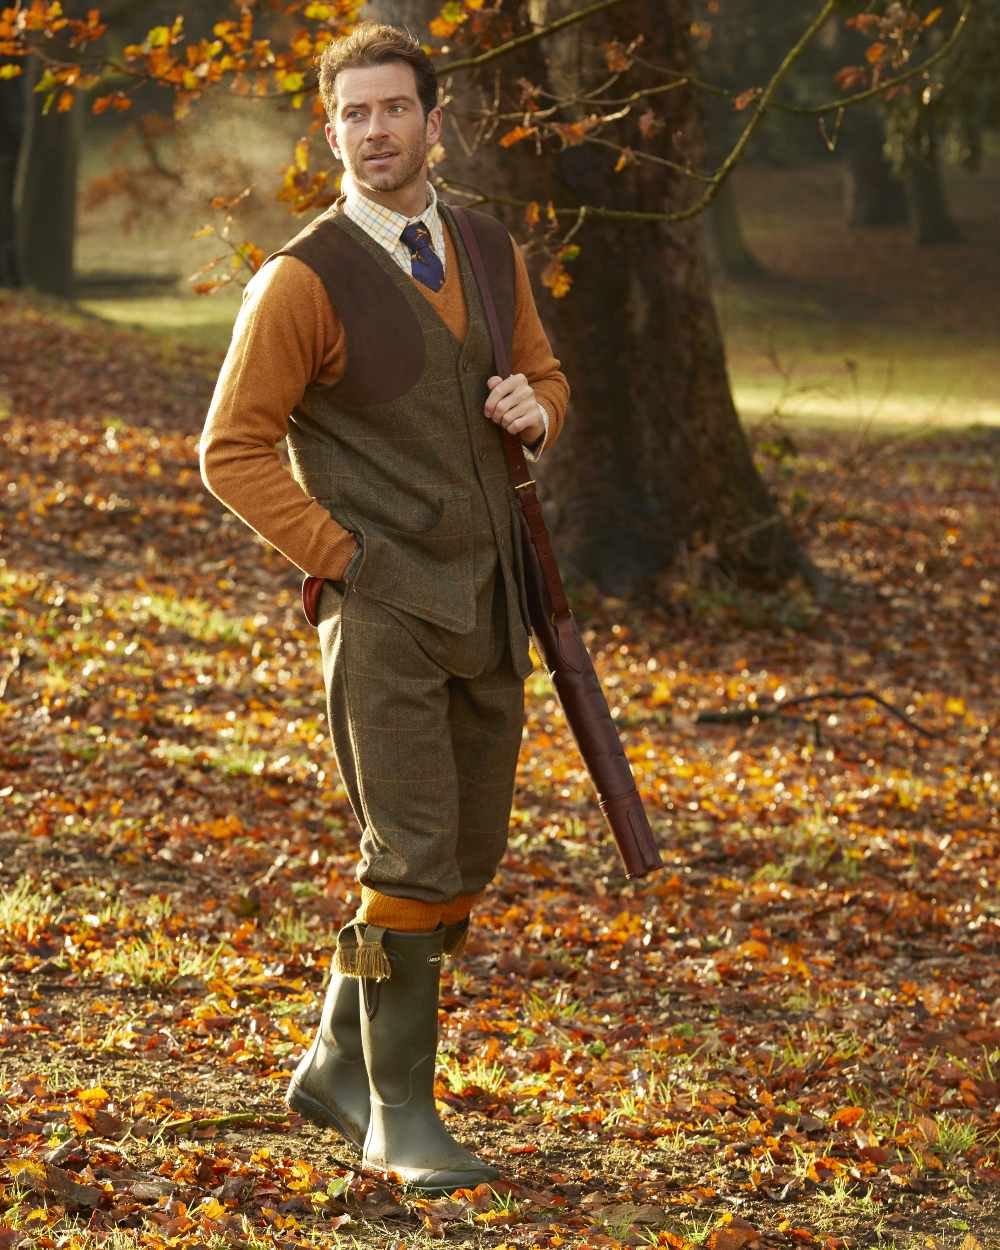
(533, 450)
(349, 551)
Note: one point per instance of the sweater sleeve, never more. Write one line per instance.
(285, 337)
(532, 355)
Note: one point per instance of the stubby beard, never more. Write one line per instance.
(402, 169)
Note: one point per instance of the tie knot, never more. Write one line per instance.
(416, 236)
(425, 264)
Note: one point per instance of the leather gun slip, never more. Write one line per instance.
(558, 638)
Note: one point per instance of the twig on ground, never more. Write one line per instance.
(769, 711)
(234, 1119)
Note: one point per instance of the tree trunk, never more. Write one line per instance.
(653, 462)
(727, 249)
(10, 141)
(873, 195)
(45, 197)
(931, 215)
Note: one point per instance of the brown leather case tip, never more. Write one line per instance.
(626, 815)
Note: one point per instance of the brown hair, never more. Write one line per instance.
(374, 43)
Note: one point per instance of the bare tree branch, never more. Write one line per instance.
(472, 62)
(801, 110)
(889, 83)
(765, 102)
(769, 710)
(639, 155)
(716, 180)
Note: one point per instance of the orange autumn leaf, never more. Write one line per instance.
(733, 1236)
(31, 1169)
(95, 1094)
(556, 278)
(746, 98)
(516, 135)
(79, 1122)
(616, 57)
(850, 76)
(650, 124)
(847, 1117)
(441, 28)
(574, 133)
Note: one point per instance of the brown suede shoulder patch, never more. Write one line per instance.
(385, 341)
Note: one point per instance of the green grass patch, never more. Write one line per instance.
(201, 321)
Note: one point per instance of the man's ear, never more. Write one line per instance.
(435, 119)
(331, 138)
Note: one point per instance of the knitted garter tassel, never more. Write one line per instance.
(362, 958)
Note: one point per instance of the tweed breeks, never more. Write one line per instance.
(427, 756)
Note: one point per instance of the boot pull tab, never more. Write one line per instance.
(360, 953)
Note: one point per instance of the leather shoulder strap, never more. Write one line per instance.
(524, 484)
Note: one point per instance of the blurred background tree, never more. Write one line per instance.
(601, 143)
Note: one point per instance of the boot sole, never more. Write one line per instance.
(445, 1182)
(319, 1113)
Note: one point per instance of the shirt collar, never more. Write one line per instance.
(385, 225)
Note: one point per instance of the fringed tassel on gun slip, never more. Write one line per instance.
(360, 954)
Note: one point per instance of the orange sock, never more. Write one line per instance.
(458, 908)
(409, 915)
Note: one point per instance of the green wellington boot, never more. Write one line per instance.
(399, 1033)
(330, 1085)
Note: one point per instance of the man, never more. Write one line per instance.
(368, 329)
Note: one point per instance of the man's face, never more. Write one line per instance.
(380, 132)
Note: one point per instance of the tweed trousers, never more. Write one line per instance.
(426, 726)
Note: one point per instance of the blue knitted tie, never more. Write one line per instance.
(425, 264)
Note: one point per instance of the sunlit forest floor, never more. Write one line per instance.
(788, 1038)
(857, 327)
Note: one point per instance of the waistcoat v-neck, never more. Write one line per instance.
(399, 450)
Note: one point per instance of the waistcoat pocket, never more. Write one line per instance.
(424, 571)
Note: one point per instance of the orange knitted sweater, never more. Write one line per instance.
(288, 336)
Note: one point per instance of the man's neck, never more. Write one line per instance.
(409, 201)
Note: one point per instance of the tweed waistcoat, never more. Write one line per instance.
(399, 450)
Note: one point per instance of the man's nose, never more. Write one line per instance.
(376, 125)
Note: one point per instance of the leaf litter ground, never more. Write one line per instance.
(789, 1037)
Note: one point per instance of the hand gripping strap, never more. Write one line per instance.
(513, 448)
